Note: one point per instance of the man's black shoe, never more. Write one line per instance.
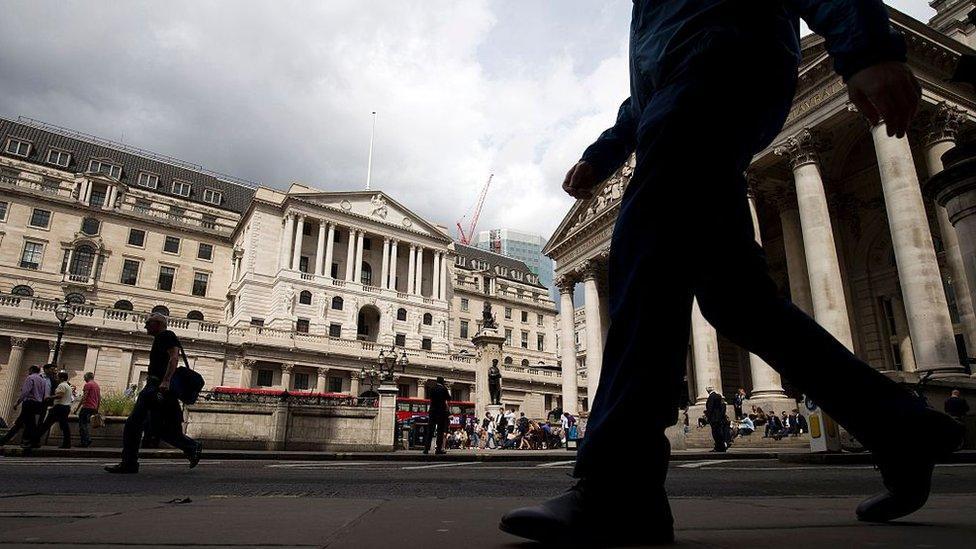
(907, 473)
(576, 520)
(121, 469)
(196, 455)
(440, 452)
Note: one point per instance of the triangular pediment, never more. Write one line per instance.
(375, 206)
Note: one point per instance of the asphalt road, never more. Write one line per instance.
(432, 478)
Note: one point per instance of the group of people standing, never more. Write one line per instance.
(46, 398)
(725, 431)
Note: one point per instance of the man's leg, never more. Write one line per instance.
(62, 418)
(84, 426)
(171, 426)
(17, 425)
(132, 431)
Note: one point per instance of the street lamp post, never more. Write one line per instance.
(385, 369)
(65, 314)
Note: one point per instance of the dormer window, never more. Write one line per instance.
(148, 180)
(181, 188)
(58, 158)
(102, 167)
(18, 147)
(211, 196)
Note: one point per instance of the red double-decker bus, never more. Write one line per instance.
(414, 409)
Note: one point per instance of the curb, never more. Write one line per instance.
(865, 458)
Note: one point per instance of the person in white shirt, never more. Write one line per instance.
(61, 400)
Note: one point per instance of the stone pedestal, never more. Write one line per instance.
(386, 421)
(489, 348)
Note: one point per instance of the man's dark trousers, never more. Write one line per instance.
(26, 420)
(56, 414)
(437, 426)
(167, 422)
(685, 231)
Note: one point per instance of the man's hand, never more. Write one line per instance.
(886, 92)
(580, 180)
(164, 385)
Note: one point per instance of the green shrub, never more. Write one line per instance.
(116, 404)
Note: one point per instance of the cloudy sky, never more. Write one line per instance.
(282, 91)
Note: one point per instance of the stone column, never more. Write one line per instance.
(823, 265)
(320, 250)
(940, 138)
(435, 286)
(796, 260)
(445, 272)
(11, 387)
(286, 370)
(329, 250)
(320, 380)
(418, 284)
(411, 268)
(704, 347)
(247, 373)
(350, 255)
(391, 283)
(902, 335)
(767, 386)
(567, 344)
(421, 389)
(360, 236)
(594, 330)
(385, 272)
(296, 257)
(286, 241)
(109, 198)
(918, 268)
(354, 385)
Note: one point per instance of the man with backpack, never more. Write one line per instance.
(158, 402)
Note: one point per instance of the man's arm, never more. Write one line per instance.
(174, 362)
(605, 155)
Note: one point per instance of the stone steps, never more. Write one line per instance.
(702, 438)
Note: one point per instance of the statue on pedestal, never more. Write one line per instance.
(495, 382)
(487, 318)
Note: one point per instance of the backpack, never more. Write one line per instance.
(186, 383)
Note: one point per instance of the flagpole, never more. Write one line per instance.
(369, 165)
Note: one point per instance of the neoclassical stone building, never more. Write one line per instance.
(849, 236)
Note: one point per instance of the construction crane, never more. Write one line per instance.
(465, 237)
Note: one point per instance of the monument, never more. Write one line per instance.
(488, 390)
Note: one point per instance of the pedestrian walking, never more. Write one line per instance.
(717, 420)
(737, 401)
(722, 74)
(60, 408)
(32, 393)
(156, 401)
(91, 399)
(438, 414)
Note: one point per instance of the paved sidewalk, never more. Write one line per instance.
(137, 521)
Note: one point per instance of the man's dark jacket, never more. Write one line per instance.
(857, 33)
(715, 408)
(439, 396)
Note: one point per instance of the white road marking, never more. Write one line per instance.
(440, 465)
(318, 465)
(557, 463)
(706, 463)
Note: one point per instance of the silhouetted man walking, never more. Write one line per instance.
(438, 415)
(717, 420)
(711, 84)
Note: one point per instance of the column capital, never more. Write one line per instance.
(287, 367)
(566, 284)
(943, 123)
(246, 363)
(591, 269)
(800, 149)
(19, 342)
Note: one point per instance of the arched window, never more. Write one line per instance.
(90, 226)
(82, 261)
(123, 305)
(401, 314)
(525, 362)
(194, 315)
(76, 298)
(161, 309)
(508, 360)
(428, 319)
(23, 291)
(367, 277)
(305, 298)
(337, 303)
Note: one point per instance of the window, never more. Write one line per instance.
(508, 360)
(265, 378)
(425, 343)
(200, 281)
(166, 276)
(213, 197)
(401, 340)
(160, 309)
(335, 330)
(334, 270)
(171, 245)
(137, 238)
(540, 342)
(366, 279)
(538, 320)
(525, 363)
(464, 304)
(303, 264)
(18, 147)
(305, 297)
(181, 188)
(464, 329)
(301, 325)
(337, 303)
(3, 210)
(148, 180)
(102, 167)
(90, 226)
(428, 319)
(301, 381)
(257, 322)
(508, 313)
(205, 251)
(367, 244)
(194, 315)
(31, 258)
(98, 197)
(142, 206)
(403, 390)
(208, 221)
(22, 290)
(508, 336)
(525, 339)
(525, 316)
(82, 261)
(58, 158)
(123, 305)
(335, 384)
(401, 314)
(40, 218)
